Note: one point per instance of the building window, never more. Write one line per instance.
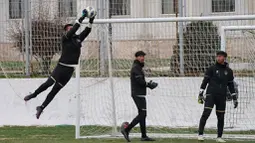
(169, 6)
(16, 9)
(67, 8)
(119, 7)
(223, 5)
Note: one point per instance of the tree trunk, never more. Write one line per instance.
(46, 62)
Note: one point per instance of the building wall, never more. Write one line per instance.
(128, 37)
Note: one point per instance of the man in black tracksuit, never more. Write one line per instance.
(71, 49)
(219, 78)
(138, 91)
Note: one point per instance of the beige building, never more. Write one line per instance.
(156, 38)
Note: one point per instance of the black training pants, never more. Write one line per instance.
(59, 77)
(140, 102)
(220, 102)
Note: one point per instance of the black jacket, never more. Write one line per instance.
(138, 83)
(71, 45)
(219, 78)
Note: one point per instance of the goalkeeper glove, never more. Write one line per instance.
(234, 95)
(201, 97)
(152, 84)
(84, 14)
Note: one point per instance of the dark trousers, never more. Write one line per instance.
(220, 102)
(140, 102)
(59, 78)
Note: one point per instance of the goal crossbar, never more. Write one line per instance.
(174, 19)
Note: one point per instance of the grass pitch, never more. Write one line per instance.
(66, 135)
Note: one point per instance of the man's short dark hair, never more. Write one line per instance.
(67, 26)
(222, 53)
(139, 53)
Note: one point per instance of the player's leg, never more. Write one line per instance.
(56, 88)
(143, 115)
(141, 112)
(126, 128)
(208, 106)
(50, 81)
(61, 80)
(220, 112)
(139, 102)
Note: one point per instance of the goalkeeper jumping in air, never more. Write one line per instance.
(219, 78)
(71, 49)
(138, 92)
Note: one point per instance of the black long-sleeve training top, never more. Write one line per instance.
(71, 45)
(219, 78)
(137, 77)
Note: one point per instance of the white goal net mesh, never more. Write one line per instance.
(172, 107)
(240, 45)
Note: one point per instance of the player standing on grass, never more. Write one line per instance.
(138, 91)
(219, 78)
(71, 44)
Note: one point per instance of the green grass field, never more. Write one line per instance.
(64, 134)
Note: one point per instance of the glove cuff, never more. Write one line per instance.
(234, 96)
(89, 25)
(77, 21)
(201, 90)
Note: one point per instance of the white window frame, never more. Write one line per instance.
(125, 12)
(62, 8)
(211, 7)
(174, 13)
(21, 9)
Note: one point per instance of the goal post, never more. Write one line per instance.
(78, 102)
(104, 96)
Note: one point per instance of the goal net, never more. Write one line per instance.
(238, 41)
(105, 95)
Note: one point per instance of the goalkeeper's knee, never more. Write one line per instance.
(142, 114)
(50, 81)
(220, 115)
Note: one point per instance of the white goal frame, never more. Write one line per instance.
(233, 28)
(156, 20)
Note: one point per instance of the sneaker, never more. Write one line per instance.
(30, 96)
(39, 110)
(125, 133)
(200, 138)
(147, 139)
(220, 140)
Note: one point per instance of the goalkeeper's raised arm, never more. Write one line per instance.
(87, 30)
(70, 29)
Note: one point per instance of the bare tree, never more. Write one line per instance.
(45, 36)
